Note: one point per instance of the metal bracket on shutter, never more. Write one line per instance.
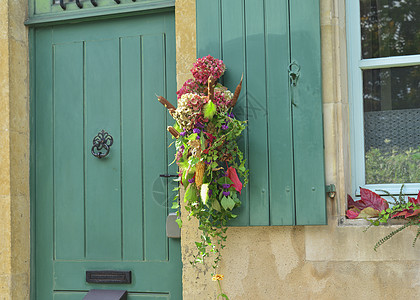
(330, 189)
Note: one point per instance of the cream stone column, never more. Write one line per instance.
(196, 281)
(14, 151)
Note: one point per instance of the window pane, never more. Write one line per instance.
(389, 27)
(391, 101)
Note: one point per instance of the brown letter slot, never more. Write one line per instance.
(108, 277)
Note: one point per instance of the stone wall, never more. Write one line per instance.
(14, 151)
(306, 262)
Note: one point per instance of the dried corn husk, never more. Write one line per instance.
(199, 174)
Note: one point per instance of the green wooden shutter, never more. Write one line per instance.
(283, 142)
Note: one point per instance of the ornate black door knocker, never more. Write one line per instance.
(103, 141)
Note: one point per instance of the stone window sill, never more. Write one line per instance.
(344, 222)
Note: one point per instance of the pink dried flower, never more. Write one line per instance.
(206, 66)
(222, 97)
(195, 101)
(190, 86)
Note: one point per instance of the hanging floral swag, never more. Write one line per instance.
(208, 157)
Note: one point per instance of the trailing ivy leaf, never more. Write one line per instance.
(175, 205)
(216, 205)
(209, 110)
(190, 194)
(224, 180)
(228, 203)
(179, 222)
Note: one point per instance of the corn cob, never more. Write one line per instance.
(199, 174)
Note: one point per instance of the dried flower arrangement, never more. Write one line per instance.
(209, 160)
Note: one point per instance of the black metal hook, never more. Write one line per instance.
(62, 4)
(94, 3)
(168, 175)
(294, 73)
(79, 5)
(103, 140)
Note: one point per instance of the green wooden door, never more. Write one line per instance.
(109, 213)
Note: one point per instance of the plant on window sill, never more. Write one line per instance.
(208, 156)
(371, 205)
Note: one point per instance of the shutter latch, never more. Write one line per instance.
(294, 73)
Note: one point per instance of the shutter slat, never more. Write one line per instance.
(307, 114)
(208, 28)
(233, 46)
(279, 114)
(257, 112)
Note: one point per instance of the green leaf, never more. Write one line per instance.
(179, 222)
(192, 137)
(175, 205)
(224, 180)
(216, 205)
(190, 194)
(204, 193)
(209, 110)
(228, 203)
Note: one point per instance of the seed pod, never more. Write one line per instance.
(199, 174)
(210, 88)
(166, 103)
(236, 94)
(173, 131)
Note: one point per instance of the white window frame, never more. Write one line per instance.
(355, 66)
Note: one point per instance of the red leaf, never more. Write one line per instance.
(400, 214)
(414, 213)
(350, 202)
(351, 214)
(371, 199)
(415, 201)
(211, 137)
(237, 184)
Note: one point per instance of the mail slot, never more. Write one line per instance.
(106, 295)
(110, 277)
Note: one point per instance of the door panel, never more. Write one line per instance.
(109, 213)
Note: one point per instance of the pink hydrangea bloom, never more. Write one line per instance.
(206, 66)
(222, 97)
(190, 86)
